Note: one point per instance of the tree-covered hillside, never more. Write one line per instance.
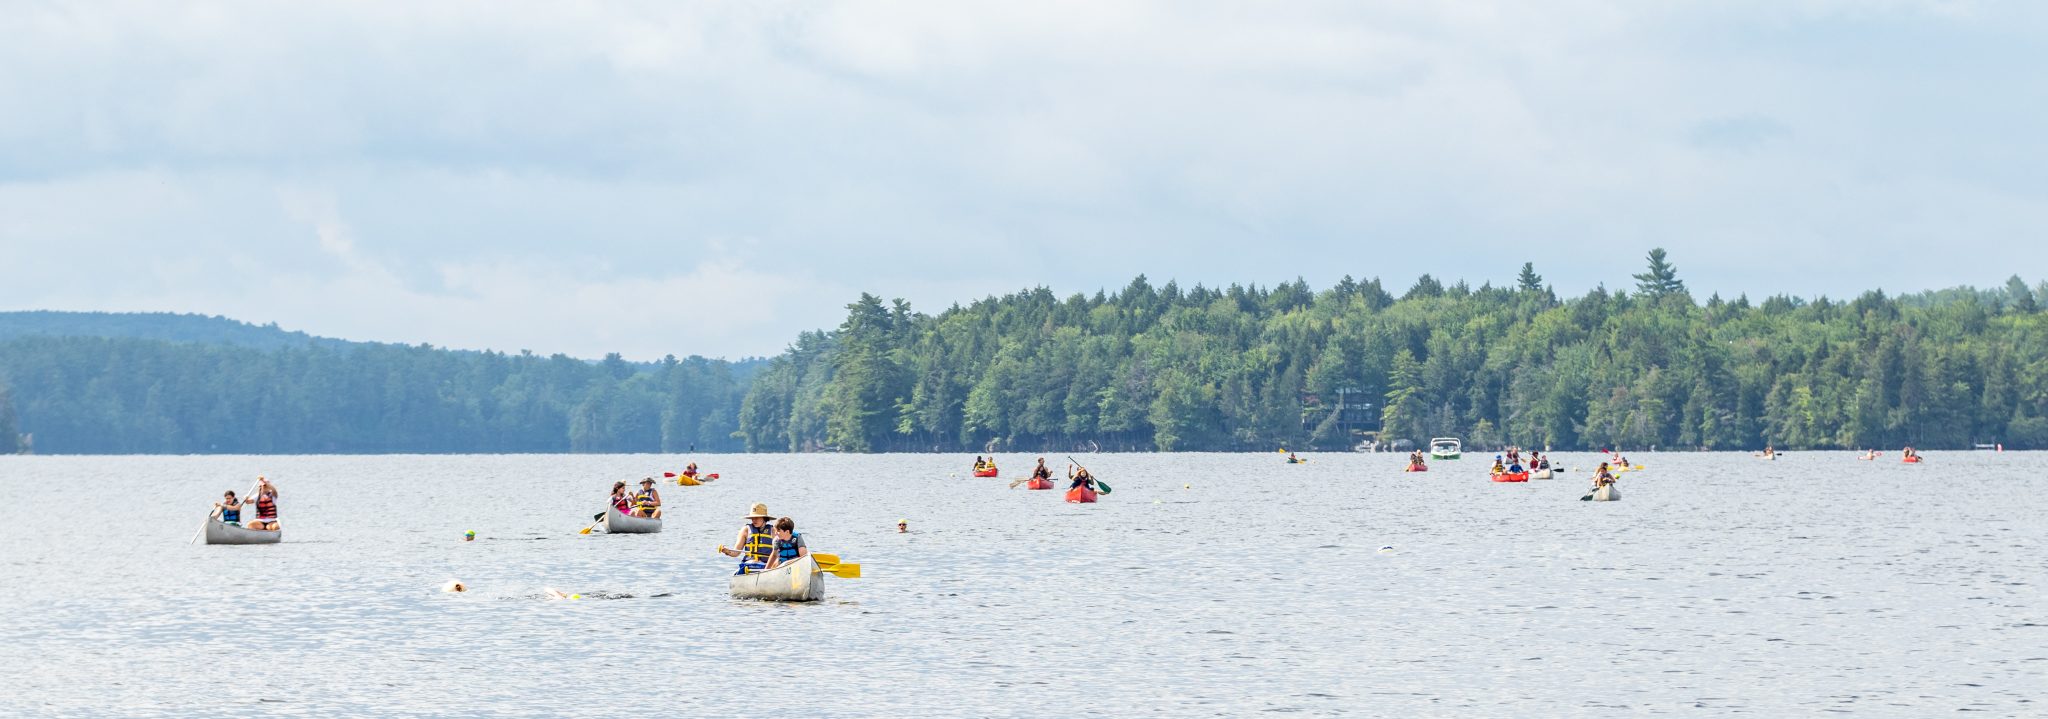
(106, 395)
(1248, 368)
(167, 326)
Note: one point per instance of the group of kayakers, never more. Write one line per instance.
(767, 542)
(262, 501)
(1509, 463)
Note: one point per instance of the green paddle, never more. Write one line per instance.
(1101, 487)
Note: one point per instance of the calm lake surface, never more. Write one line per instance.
(1204, 585)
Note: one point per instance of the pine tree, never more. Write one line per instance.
(1529, 280)
(1662, 279)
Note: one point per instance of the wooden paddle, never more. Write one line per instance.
(1101, 487)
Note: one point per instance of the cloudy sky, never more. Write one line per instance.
(715, 177)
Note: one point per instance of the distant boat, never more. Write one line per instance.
(1446, 448)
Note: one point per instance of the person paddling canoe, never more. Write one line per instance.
(1080, 477)
(789, 546)
(620, 499)
(1602, 477)
(230, 509)
(265, 499)
(755, 542)
(1415, 463)
(647, 501)
(1042, 472)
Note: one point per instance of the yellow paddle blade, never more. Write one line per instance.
(586, 530)
(825, 558)
(843, 571)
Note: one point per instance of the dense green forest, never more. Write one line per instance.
(124, 395)
(1144, 368)
(1246, 368)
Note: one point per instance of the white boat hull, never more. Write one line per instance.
(616, 522)
(218, 532)
(1607, 494)
(1544, 473)
(797, 581)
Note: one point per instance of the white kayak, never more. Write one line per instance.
(797, 581)
(1543, 473)
(616, 522)
(1607, 494)
(219, 532)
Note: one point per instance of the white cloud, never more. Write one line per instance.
(533, 174)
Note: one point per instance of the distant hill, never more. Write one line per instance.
(161, 383)
(164, 326)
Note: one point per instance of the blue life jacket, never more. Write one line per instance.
(231, 516)
(787, 551)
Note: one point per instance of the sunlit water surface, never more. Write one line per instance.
(1220, 585)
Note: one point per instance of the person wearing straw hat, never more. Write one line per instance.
(647, 501)
(755, 542)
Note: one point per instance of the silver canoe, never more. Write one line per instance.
(1607, 494)
(218, 532)
(797, 581)
(618, 523)
(1544, 473)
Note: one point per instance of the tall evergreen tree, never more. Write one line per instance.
(1529, 281)
(1662, 277)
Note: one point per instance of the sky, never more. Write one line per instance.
(715, 177)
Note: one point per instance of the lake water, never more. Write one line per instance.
(1204, 585)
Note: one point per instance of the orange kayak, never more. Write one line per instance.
(1911, 460)
(1511, 477)
(1038, 484)
(1081, 495)
(1413, 468)
(990, 472)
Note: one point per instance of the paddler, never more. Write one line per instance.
(230, 509)
(1415, 462)
(1042, 472)
(690, 471)
(1601, 477)
(756, 542)
(1291, 459)
(620, 500)
(979, 463)
(265, 499)
(789, 546)
(1498, 466)
(647, 501)
(1080, 477)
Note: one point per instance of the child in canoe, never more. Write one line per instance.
(789, 546)
(230, 509)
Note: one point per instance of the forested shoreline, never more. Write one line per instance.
(1144, 368)
(1244, 368)
(99, 395)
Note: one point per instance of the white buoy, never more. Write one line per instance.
(454, 585)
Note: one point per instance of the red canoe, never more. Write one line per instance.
(1413, 468)
(990, 472)
(1511, 477)
(1911, 460)
(1038, 484)
(1081, 495)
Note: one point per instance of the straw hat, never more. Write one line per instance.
(649, 480)
(761, 511)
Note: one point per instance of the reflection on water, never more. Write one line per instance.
(1205, 584)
